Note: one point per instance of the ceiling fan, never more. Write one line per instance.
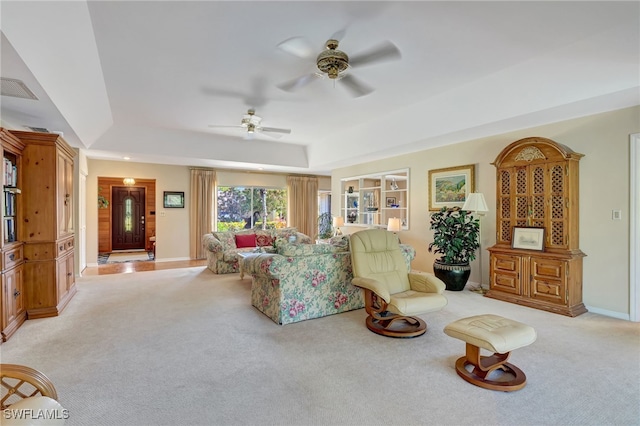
(334, 63)
(251, 122)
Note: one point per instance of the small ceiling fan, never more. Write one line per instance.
(334, 63)
(251, 122)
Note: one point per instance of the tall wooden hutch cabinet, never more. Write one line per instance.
(12, 297)
(537, 186)
(47, 230)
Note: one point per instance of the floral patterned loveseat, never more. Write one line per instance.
(306, 281)
(222, 250)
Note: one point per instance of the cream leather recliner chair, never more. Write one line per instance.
(393, 295)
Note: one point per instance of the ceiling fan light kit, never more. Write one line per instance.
(334, 64)
(251, 122)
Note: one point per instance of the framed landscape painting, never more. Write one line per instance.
(450, 187)
(173, 200)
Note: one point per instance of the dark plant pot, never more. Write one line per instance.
(454, 276)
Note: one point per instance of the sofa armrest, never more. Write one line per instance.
(214, 245)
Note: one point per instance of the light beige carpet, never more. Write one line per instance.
(185, 347)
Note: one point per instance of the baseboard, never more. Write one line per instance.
(608, 313)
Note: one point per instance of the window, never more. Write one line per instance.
(128, 214)
(251, 207)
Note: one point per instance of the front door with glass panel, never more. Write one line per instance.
(127, 218)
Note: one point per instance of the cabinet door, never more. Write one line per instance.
(65, 195)
(506, 273)
(548, 281)
(62, 281)
(558, 222)
(505, 209)
(538, 186)
(13, 295)
(71, 278)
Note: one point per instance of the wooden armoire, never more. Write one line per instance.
(47, 229)
(537, 187)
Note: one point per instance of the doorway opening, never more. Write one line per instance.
(126, 218)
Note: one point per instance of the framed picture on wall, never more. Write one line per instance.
(173, 200)
(450, 187)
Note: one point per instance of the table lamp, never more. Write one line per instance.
(338, 221)
(394, 225)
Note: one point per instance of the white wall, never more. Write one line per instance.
(604, 186)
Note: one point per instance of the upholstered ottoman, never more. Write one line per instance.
(498, 335)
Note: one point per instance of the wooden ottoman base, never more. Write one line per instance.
(498, 335)
(485, 365)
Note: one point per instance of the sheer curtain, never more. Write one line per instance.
(303, 204)
(201, 208)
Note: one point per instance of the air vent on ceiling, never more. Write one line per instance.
(38, 129)
(15, 88)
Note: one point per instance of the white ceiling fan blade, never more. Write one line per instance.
(298, 46)
(275, 130)
(295, 84)
(384, 51)
(339, 35)
(216, 126)
(273, 135)
(355, 86)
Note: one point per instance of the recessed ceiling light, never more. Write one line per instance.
(127, 158)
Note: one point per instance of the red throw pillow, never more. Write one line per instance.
(247, 240)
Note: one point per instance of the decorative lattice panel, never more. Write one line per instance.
(538, 223)
(557, 179)
(521, 181)
(538, 180)
(538, 206)
(505, 180)
(557, 207)
(505, 230)
(505, 208)
(521, 223)
(522, 207)
(557, 233)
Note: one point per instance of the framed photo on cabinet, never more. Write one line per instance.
(528, 238)
(450, 187)
(173, 200)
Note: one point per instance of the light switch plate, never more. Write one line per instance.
(616, 214)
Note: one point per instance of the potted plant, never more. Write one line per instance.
(455, 237)
(325, 227)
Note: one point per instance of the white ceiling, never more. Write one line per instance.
(146, 79)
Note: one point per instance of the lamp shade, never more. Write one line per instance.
(338, 221)
(394, 224)
(475, 203)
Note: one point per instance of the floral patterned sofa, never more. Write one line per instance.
(222, 248)
(306, 281)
